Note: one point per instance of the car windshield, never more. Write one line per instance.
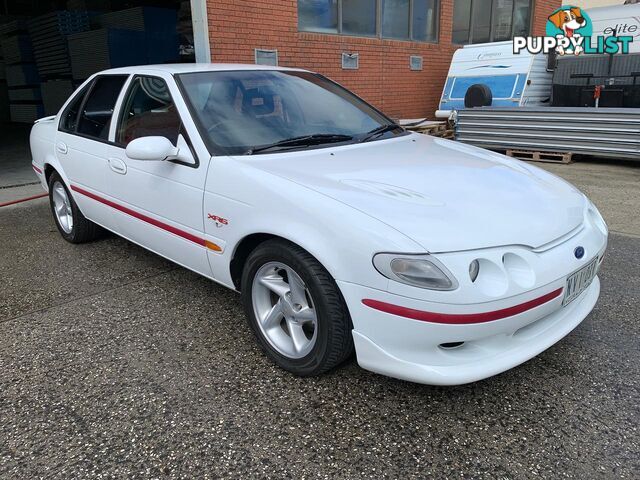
(263, 111)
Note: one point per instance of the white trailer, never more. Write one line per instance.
(490, 74)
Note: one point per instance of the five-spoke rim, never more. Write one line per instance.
(284, 310)
(62, 207)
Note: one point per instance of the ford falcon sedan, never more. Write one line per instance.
(436, 262)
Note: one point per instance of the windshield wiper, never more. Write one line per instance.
(302, 141)
(376, 132)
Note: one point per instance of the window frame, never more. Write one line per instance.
(378, 33)
(183, 129)
(84, 102)
(491, 29)
(89, 88)
(80, 94)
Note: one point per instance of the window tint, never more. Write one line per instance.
(69, 118)
(521, 18)
(478, 21)
(461, 21)
(148, 111)
(481, 32)
(96, 114)
(238, 111)
(318, 15)
(359, 17)
(501, 22)
(395, 19)
(425, 20)
(400, 19)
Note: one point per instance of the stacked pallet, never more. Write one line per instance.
(5, 112)
(158, 24)
(49, 37)
(105, 48)
(20, 72)
(89, 5)
(17, 49)
(428, 127)
(185, 33)
(54, 94)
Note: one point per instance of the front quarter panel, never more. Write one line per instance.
(241, 200)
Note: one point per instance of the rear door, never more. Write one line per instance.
(159, 203)
(82, 146)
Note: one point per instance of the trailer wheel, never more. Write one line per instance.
(478, 95)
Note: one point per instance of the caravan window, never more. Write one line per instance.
(501, 85)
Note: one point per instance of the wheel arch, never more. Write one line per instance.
(48, 171)
(244, 248)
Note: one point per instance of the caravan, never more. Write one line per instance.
(491, 74)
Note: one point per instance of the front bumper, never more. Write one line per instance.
(411, 350)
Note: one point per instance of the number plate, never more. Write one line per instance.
(578, 281)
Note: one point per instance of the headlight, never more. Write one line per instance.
(418, 270)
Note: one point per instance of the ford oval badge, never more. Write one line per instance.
(579, 252)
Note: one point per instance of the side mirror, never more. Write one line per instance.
(151, 148)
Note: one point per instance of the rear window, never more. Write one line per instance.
(95, 117)
(69, 118)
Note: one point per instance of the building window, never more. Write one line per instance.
(358, 17)
(318, 16)
(480, 21)
(412, 20)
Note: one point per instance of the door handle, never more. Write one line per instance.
(62, 147)
(118, 166)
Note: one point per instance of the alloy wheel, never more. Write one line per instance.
(62, 207)
(284, 309)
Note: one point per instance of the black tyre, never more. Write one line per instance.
(72, 225)
(295, 309)
(478, 95)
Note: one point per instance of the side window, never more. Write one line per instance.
(148, 111)
(97, 111)
(69, 118)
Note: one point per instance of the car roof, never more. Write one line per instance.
(174, 68)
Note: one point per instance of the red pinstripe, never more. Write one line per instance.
(461, 319)
(140, 216)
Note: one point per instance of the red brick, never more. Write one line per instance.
(237, 27)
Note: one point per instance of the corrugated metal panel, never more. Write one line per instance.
(611, 132)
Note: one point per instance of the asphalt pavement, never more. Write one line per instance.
(115, 363)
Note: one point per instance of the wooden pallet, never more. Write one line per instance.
(535, 156)
(429, 127)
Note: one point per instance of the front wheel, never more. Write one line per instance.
(71, 223)
(295, 309)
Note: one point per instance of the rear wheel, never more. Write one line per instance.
(72, 225)
(295, 309)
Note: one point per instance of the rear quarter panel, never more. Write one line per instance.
(42, 143)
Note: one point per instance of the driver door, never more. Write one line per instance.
(159, 203)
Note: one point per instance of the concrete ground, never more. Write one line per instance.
(613, 187)
(116, 363)
(17, 179)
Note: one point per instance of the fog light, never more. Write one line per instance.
(474, 269)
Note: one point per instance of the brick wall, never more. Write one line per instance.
(237, 27)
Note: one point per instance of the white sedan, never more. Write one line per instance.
(437, 262)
